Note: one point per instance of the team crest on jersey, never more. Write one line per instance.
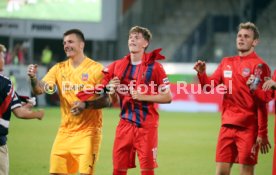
(166, 80)
(84, 76)
(245, 72)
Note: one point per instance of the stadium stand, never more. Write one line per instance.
(192, 29)
(178, 22)
(267, 23)
(185, 29)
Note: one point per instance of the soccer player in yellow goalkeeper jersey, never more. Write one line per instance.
(77, 144)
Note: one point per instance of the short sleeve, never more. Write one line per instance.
(8, 97)
(15, 103)
(51, 75)
(98, 74)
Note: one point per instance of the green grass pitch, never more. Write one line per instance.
(187, 144)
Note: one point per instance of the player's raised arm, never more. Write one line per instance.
(200, 66)
(37, 86)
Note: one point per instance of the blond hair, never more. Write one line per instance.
(2, 48)
(144, 31)
(250, 26)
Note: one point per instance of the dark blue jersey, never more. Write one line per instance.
(148, 77)
(140, 112)
(8, 101)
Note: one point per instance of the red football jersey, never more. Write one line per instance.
(154, 80)
(274, 78)
(274, 157)
(148, 77)
(239, 106)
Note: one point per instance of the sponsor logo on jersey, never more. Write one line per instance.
(228, 66)
(84, 76)
(246, 72)
(227, 74)
(166, 80)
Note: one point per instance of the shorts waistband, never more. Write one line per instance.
(123, 121)
(89, 131)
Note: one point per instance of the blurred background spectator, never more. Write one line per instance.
(46, 56)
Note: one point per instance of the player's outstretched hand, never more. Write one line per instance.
(77, 108)
(269, 84)
(264, 144)
(200, 66)
(32, 70)
(40, 114)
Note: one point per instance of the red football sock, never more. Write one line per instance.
(150, 172)
(117, 172)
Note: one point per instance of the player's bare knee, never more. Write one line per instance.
(247, 170)
(223, 171)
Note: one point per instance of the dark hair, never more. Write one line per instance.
(250, 26)
(76, 32)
